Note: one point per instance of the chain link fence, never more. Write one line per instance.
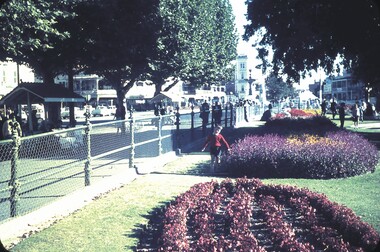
(36, 170)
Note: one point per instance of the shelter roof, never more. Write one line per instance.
(40, 93)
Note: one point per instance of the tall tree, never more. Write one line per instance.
(278, 89)
(197, 42)
(31, 35)
(28, 26)
(121, 37)
(306, 34)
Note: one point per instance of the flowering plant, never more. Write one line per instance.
(336, 155)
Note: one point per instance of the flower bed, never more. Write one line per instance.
(338, 154)
(247, 215)
(295, 125)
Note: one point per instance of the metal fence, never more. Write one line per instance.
(36, 170)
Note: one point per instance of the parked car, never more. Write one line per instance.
(112, 109)
(101, 111)
(78, 112)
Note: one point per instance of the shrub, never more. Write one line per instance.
(294, 125)
(338, 154)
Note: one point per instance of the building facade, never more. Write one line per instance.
(11, 74)
(343, 88)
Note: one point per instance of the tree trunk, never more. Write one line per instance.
(53, 108)
(70, 76)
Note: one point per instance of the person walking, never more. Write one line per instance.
(355, 115)
(323, 107)
(333, 108)
(205, 112)
(342, 114)
(361, 111)
(217, 114)
(118, 117)
(215, 141)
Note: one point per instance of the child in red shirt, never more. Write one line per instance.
(215, 140)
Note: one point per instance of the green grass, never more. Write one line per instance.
(111, 222)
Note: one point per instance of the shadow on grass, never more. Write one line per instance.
(148, 234)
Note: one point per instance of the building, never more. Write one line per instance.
(11, 74)
(245, 86)
(343, 88)
(241, 77)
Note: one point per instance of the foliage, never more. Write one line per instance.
(277, 89)
(297, 125)
(336, 155)
(120, 37)
(197, 42)
(308, 34)
(247, 215)
(29, 26)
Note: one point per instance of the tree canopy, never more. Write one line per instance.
(197, 42)
(278, 89)
(307, 34)
(123, 41)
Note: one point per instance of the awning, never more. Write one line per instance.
(166, 96)
(40, 93)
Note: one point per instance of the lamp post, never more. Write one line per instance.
(250, 80)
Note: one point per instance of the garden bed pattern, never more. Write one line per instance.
(246, 215)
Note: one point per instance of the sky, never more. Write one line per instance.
(240, 9)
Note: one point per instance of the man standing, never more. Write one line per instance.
(205, 111)
(333, 108)
(217, 114)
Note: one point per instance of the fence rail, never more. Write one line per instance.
(36, 170)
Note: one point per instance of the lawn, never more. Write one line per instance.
(112, 222)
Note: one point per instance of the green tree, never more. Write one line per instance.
(121, 36)
(278, 89)
(306, 34)
(196, 44)
(28, 26)
(31, 35)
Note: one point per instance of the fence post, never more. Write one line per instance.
(226, 115)
(192, 117)
(160, 124)
(132, 132)
(87, 167)
(232, 115)
(13, 182)
(177, 123)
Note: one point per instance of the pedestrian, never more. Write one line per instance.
(9, 125)
(342, 114)
(323, 107)
(117, 117)
(217, 113)
(333, 108)
(117, 113)
(204, 114)
(267, 115)
(362, 108)
(215, 141)
(355, 115)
